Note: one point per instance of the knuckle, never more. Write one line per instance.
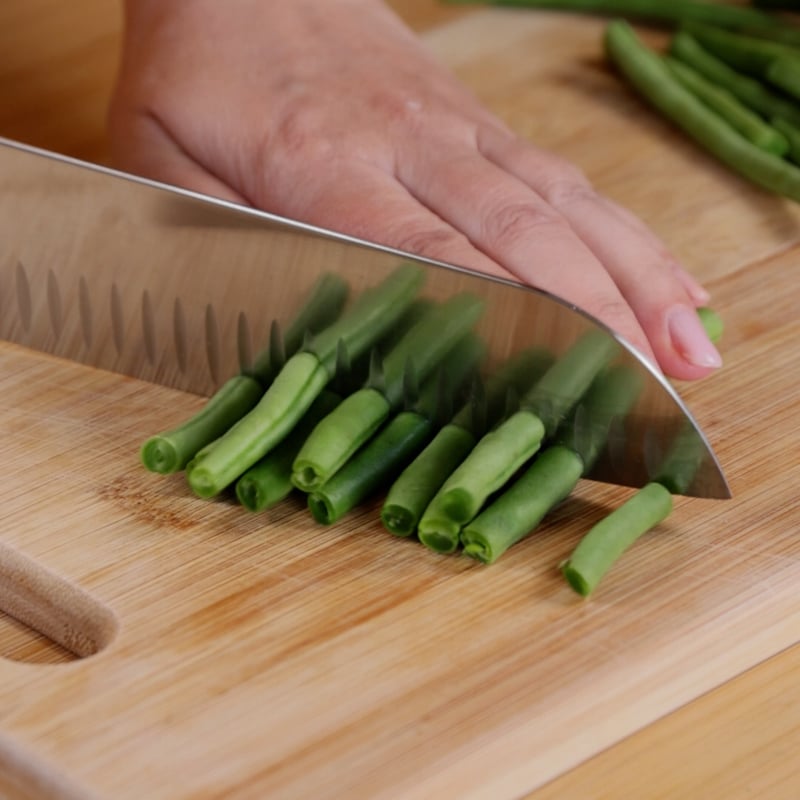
(429, 242)
(512, 223)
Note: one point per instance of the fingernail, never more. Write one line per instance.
(689, 338)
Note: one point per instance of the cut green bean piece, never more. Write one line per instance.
(172, 450)
(648, 73)
(735, 113)
(372, 467)
(410, 494)
(785, 74)
(491, 463)
(750, 91)
(712, 323)
(549, 480)
(254, 435)
(323, 305)
(606, 541)
(269, 480)
(555, 471)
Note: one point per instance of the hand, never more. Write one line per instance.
(333, 113)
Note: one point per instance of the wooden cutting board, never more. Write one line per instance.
(266, 656)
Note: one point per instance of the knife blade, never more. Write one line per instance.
(125, 274)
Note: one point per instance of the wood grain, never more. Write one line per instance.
(273, 657)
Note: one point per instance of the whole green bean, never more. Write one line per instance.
(749, 54)
(792, 133)
(648, 73)
(735, 113)
(666, 11)
(750, 91)
(784, 73)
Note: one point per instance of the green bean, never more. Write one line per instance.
(750, 91)
(413, 490)
(712, 323)
(269, 480)
(785, 74)
(665, 11)
(337, 437)
(613, 535)
(736, 114)
(171, 451)
(749, 54)
(300, 381)
(520, 508)
(792, 133)
(517, 511)
(648, 73)
(323, 305)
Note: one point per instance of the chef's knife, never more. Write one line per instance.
(125, 274)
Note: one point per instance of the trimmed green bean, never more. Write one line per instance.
(300, 381)
(648, 73)
(410, 494)
(269, 480)
(613, 535)
(172, 450)
(491, 463)
(750, 91)
(735, 113)
(712, 323)
(371, 467)
(549, 480)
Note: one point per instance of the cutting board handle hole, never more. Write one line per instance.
(52, 619)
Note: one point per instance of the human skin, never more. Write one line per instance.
(333, 112)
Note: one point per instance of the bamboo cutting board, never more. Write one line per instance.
(266, 656)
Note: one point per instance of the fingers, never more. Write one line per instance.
(516, 227)
(142, 146)
(660, 293)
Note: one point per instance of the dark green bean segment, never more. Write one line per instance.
(322, 306)
(374, 465)
(606, 541)
(172, 450)
(735, 113)
(550, 478)
(665, 11)
(648, 73)
(785, 74)
(750, 91)
(269, 480)
(746, 53)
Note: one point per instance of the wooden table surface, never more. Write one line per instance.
(740, 740)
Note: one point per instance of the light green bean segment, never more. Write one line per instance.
(606, 541)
